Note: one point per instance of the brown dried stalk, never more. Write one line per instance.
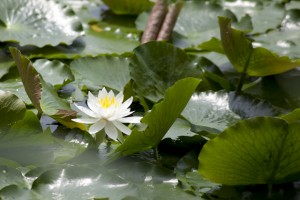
(169, 21)
(155, 21)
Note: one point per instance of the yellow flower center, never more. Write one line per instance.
(107, 102)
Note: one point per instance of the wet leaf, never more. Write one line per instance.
(261, 150)
(38, 22)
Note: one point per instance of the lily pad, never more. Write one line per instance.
(108, 71)
(54, 72)
(154, 73)
(210, 110)
(198, 23)
(261, 150)
(284, 40)
(130, 7)
(38, 22)
(265, 15)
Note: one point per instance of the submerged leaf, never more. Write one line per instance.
(261, 150)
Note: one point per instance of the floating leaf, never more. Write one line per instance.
(131, 7)
(54, 72)
(10, 176)
(271, 12)
(258, 61)
(38, 22)
(210, 110)
(197, 22)
(108, 71)
(160, 119)
(284, 40)
(260, 150)
(154, 73)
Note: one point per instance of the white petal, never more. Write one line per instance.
(130, 120)
(122, 127)
(127, 103)
(119, 115)
(119, 97)
(87, 111)
(85, 120)
(92, 102)
(102, 93)
(111, 131)
(97, 127)
(111, 94)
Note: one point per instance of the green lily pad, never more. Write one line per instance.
(197, 22)
(210, 110)
(130, 7)
(260, 150)
(38, 22)
(15, 86)
(154, 73)
(54, 72)
(19, 193)
(9, 176)
(253, 61)
(265, 15)
(108, 71)
(285, 40)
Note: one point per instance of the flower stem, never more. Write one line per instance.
(156, 155)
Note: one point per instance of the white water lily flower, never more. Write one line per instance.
(109, 112)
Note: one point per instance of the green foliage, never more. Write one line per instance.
(154, 73)
(160, 119)
(193, 133)
(253, 61)
(130, 7)
(38, 23)
(102, 71)
(256, 151)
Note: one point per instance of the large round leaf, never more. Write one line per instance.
(260, 150)
(155, 66)
(265, 15)
(210, 110)
(37, 22)
(108, 71)
(54, 72)
(286, 39)
(197, 22)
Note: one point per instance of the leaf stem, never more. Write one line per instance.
(243, 75)
(156, 155)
